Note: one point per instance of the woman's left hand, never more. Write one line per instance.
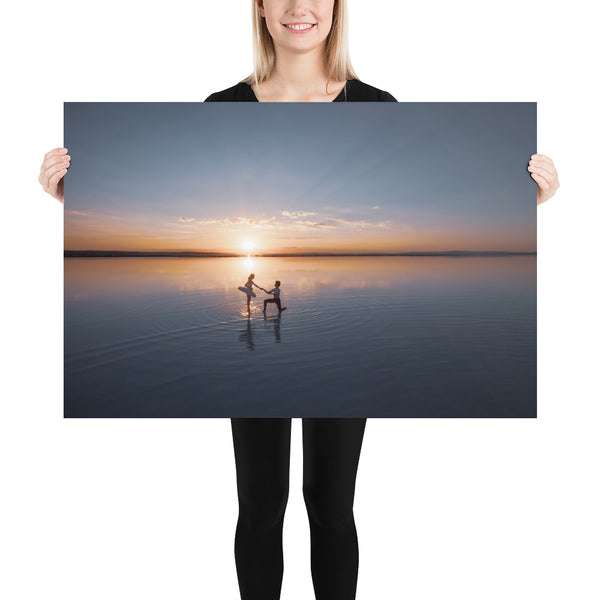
(544, 173)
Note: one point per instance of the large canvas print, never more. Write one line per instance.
(300, 260)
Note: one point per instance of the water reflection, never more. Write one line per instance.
(269, 323)
(364, 336)
(89, 277)
(246, 336)
(275, 324)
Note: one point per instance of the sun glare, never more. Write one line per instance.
(249, 246)
(249, 263)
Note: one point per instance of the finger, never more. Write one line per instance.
(539, 160)
(542, 159)
(55, 152)
(550, 177)
(53, 181)
(543, 172)
(542, 183)
(51, 172)
(55, 160)
(47, 171)
(548, 166)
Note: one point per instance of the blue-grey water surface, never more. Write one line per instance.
(390, 336)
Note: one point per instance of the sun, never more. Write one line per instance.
(249, 246)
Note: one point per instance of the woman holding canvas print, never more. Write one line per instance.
(300, 55)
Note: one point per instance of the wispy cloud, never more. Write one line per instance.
(255, 221)
(295, 224)
(300, 213)
(95, 216)
(363, 224)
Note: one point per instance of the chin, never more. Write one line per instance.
(302, 45)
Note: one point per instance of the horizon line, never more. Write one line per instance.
(194, 253)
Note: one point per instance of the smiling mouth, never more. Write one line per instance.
(299, 26)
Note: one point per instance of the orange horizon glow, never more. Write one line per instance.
(85, 231)
(446, 244)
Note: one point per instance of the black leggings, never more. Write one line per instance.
(331, 449)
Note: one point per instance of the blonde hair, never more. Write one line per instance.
(337, 54)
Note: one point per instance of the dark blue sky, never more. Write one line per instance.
(300, 176)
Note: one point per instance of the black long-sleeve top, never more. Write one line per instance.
(353, 91)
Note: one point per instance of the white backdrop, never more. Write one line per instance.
(453, 509)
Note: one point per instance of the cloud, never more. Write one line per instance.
(311, 224)
(375, 207)
(300, 213)
(97, 216)
(363, 224)
(248, 221)
(344, 223)
(198, 221)
(262, 222)
(273, 222)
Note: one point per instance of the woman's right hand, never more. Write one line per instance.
(52, 172)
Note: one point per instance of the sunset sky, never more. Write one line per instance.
(300, 177)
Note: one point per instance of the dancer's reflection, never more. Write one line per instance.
(247, 336)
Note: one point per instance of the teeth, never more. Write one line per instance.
(299, 27)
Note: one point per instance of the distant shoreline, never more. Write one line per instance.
(127, 254)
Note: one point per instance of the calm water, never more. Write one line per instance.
(362, 336)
